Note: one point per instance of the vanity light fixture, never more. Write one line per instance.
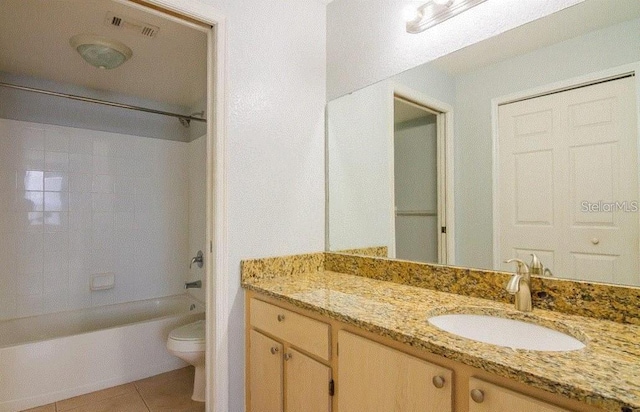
(99, 51)
(436, 11)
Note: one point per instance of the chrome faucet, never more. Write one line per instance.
(537, 268)
(197, 259)
(520, 285)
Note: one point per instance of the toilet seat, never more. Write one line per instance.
(187, 338)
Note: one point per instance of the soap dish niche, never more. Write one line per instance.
(102, 281)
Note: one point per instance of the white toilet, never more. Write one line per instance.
(187, 343)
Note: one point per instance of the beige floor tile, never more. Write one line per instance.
(46, 408)
(170, 391)
(94, 397)
(128, 402)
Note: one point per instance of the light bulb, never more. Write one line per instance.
(410, 13)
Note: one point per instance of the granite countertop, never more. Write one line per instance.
(606, 373)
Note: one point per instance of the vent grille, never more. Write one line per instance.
(124, 23)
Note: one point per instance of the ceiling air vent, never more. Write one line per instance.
(121, 22)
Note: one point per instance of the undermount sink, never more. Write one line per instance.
(506, 332)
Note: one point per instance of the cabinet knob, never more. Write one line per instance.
(595, 240)
(274, 350)
(477, 395)
(287, 356)
(438, 381)
(280, 318)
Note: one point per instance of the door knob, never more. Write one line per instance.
(438, 381)
(477, 395)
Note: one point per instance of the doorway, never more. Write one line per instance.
(419, 180)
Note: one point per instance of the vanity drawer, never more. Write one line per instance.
(305, 333)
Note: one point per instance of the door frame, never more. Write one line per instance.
(556, 87)
(216, 254)
(446, 244)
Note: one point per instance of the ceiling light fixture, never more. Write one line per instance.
(436, 11)
(99, 51)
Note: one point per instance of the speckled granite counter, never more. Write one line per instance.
(606, 373)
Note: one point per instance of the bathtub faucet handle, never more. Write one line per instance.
(197, 259)
(197, 284)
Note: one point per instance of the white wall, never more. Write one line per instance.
(76, 202)
(276, 83)
(367, 41)
(593, 52)
(360, 133)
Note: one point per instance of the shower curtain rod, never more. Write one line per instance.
(182, 117)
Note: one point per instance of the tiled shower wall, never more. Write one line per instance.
(74, 203)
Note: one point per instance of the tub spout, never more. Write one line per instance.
(197, 284)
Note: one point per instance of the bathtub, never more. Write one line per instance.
(57, 356)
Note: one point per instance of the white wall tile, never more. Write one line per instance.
(8, 179)
(30, 180)
(102, 202)
(102, 184)
(55, 182)
(80, 183)
(31, 160)
(102, 165)
(80, 163)
(56, 161)
(56, 140)
(56, 222)
(27, 221)
(78, 202)
(29, 138)
(29, 201)
(56, 202)
(80, 141)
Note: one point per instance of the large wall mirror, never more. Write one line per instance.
(523, 143)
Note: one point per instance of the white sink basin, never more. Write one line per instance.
(510, 333)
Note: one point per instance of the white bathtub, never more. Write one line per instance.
(52, 357)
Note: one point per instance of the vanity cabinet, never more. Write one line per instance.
(375, 378)
(292, 355)
(487, 397)
(283, 374)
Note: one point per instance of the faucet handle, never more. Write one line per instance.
(522, 269)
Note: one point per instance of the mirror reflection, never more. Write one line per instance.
(526, 143)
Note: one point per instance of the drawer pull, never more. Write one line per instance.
(287, 356)
(438, 382)
(280, 318)
(477, 395)
(274, 350)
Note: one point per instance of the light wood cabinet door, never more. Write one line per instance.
(307, 334)
(492, 398)
(375, 378)
(265, 374)
(307, 383)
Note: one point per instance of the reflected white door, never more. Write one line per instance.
(568, 182)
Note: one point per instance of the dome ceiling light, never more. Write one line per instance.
(99, 51)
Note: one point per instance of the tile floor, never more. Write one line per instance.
(169, 391)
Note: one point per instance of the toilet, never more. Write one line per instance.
(187, 343)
